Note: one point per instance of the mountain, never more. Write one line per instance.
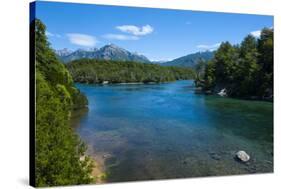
(63, 52)
(159, 61)
(190, 60)
(107, 52)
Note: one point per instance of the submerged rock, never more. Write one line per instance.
(242, 156)
(215, 156)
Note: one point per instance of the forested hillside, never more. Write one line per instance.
(244, 70)
(100, 71)
(190, 60)
(58, 149)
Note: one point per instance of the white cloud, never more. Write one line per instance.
(49, 34)
(120, 37)
(135, 30)
(187, 23)
(209, 47)
(256, 34)
(82, 39)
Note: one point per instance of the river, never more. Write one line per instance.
(162, 131)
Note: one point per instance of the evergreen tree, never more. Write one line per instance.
(225, 62)
(58, 150)
(265, 49)
(200, 68)
(247, 70)
(209, 77)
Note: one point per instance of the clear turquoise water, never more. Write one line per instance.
(161, 131)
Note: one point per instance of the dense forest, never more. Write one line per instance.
(59, 152)
(99, 71)
(244, 70)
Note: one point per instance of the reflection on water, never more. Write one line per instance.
(160, 131)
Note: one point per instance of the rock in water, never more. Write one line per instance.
(216, 157)
(223, 92)
(242, 156)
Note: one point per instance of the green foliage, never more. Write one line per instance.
(225, 62)
(209, 77)
(58, 149)
(245, 70)
(98, 71)
(200, 68)
(104, 176)
(265, 47)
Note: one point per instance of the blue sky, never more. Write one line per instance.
(159, 34)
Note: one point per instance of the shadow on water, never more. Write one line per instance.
(76, 117)
(167, 131)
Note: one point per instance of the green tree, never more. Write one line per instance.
(200, 68)
(209, 76)
(248, 68)
(58, 150)
(225, 62)
(265, 60)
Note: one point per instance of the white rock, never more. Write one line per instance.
(243, 156)
(105, 82)
(222, 92)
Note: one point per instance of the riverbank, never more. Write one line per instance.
(105, 83)
(98, 171)
(223, 93)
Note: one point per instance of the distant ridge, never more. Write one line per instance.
(114, 52)
(190, 60)
(107, 52)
